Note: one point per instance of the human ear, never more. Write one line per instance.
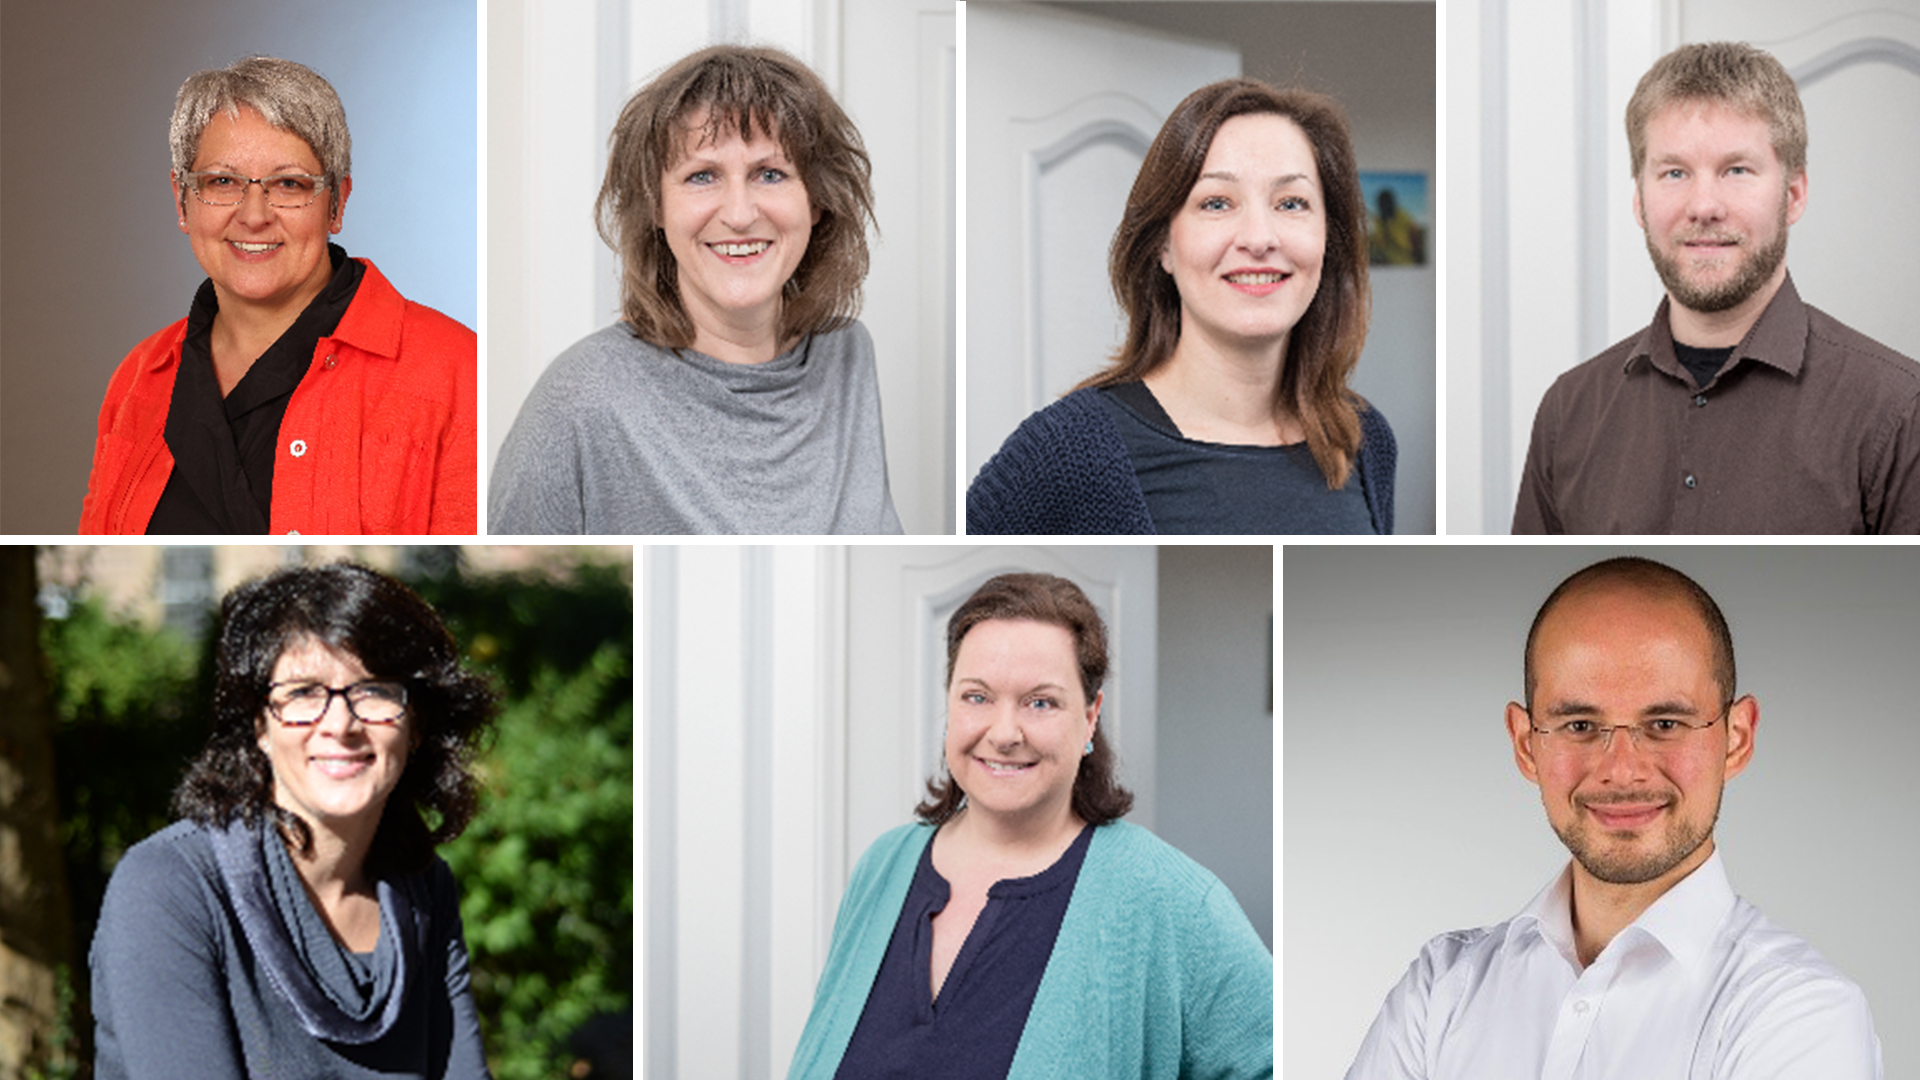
(179, 199)
(1093, 714)
(1519, 729)
(1743, 717)
(1639, 215)
(1796, 196)
(340, 208)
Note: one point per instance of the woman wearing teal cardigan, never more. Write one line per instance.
(1019, 929)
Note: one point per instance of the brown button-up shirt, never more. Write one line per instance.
(1809, 428)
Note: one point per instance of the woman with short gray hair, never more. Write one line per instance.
(302, 393)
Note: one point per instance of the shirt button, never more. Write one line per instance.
(1580, 1006)
(299, 449)
(332, 363)
(1690, 481)
(1699, 400)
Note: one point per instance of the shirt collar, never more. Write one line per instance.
(1778, 339)
(1684, 921)
(373, 321)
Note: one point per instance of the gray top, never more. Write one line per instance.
(211, 963)
(623, 436)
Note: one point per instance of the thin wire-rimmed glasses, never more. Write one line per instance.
(302, 704)
(288, 191)
(1654, 735)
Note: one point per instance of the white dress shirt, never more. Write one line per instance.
(1700, 987)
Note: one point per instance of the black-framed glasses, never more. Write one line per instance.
(288, 191)
(302, 704)
(1656, 734)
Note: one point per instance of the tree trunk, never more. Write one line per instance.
(35, 925)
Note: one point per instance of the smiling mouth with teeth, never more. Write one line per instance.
(754, 247)
(1006, 766)
(252, 249)
(1257, 279)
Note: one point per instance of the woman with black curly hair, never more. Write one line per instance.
(297, 922)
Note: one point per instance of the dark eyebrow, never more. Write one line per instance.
(1578, 708)
(1233, 178)
(983, 684)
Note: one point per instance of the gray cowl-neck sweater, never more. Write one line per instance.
(620, 436)
(210, 962)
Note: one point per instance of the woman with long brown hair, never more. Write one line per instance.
(1241, 264)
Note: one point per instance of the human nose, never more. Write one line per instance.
(253, 203)
(337, 719)
(1620, 752)
(1704, 200)
(1005, 729)
(1259, 232)
(739, 209)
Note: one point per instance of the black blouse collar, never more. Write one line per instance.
(224, 449)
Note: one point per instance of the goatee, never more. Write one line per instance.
(1753, 272)
(1617, 864)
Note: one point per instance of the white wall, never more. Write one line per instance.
(743, 724)
(558, 76)
(1214, 759)
(85, 276)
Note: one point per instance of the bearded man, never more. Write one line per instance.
(1638, 960)
(1740, 409)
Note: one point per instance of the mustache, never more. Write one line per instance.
(1712, 238)
(1619, 798)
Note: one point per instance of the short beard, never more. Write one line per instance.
(1754, 272)
(1616, 868)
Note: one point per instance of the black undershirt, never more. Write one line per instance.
(1702, 364)
(973, 1029)
(224, 450)
(1196, 487)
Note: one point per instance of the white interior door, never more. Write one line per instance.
(1061, 108)
(899, 82)
(1857, 63)
(898, 601)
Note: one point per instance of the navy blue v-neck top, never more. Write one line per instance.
(972, 1030)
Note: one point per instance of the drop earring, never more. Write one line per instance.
(1088, 750)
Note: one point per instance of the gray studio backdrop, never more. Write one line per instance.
(86, 91)
(1405, 816)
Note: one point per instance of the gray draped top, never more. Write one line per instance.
(210, 961)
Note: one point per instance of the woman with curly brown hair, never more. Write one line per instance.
(297, 920)
(1020, 929)
(1241, 264)
(739, 394)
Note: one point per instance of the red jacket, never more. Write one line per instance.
(379, 436)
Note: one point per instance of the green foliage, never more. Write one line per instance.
(546, 871)
(130, 702)
(64, 1061)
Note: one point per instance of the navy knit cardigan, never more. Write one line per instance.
(1065, 469)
